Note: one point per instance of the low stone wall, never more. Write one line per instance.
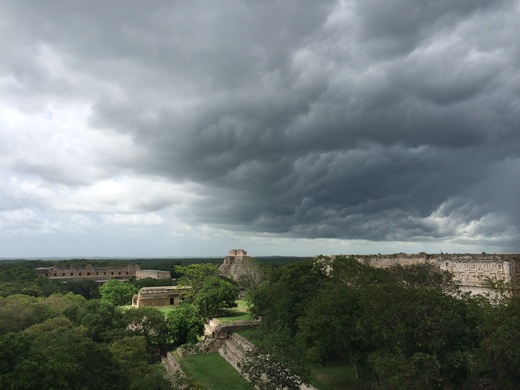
(234, 351)
(224, 331)
(152, 273)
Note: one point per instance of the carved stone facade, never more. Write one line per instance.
(470, 270)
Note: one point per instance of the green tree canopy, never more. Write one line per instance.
(193, 276)
(101, 319)
(149, 323)
(117, 293)
(215, 295)
(184, 324)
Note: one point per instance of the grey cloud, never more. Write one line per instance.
(398, 26)
(299, 122)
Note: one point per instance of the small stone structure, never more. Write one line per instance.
(158, 296)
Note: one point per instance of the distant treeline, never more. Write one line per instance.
(161, 262)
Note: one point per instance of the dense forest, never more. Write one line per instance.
(77, 335)
(400, 327)
(395, 328)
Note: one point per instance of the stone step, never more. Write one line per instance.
(234, 350)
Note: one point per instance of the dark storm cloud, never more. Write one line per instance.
(383, 120)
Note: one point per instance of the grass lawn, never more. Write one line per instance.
(237, 313)
(251, 335)
(165, 309)
(213, 372)
(240, 312)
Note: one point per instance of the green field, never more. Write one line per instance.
(213, 372)
(251, 335)
(237, 313)
(165, 309)
(240, 312)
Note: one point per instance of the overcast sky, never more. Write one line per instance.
(187, 128)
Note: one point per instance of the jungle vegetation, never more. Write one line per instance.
(398, 328)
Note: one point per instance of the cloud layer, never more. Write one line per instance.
(389, 123)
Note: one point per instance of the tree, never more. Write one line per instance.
(149, 323)
(156, 380)
(419, 372)
(330, 326)
(424, 275)
(285, 298)
(60, 358)
(101, 319)
(131, 355)
(404, 322)
(193, 276)
(20, 311)
(15, 348)
(58, 304)
(215, 295)
(184, 324)
(117, 293)
(343, 270)
(497, 353)
(87, 288)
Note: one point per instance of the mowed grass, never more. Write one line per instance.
(165, 309)
(251, 335)
(213, 372)
(241, 312)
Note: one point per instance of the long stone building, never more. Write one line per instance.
(469, 270)
(100, 274)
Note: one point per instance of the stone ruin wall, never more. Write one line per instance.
(469, 269)
(152, 273)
